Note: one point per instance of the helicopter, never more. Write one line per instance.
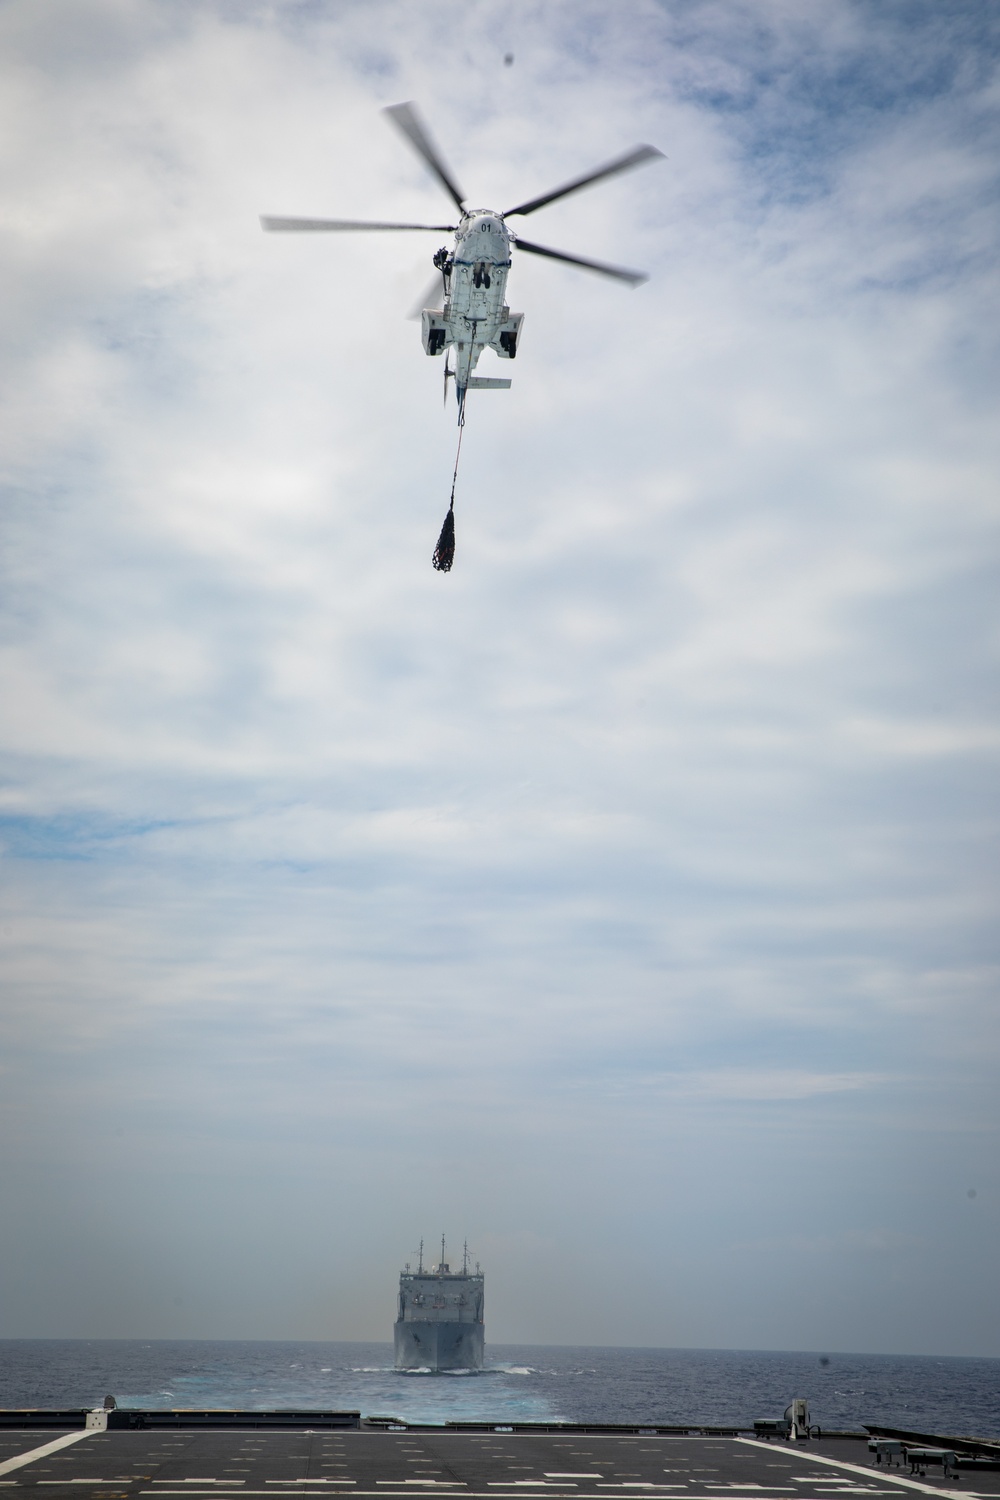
(471, 275)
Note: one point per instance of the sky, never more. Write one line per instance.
(624, 901)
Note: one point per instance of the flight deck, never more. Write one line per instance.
(396, 1462)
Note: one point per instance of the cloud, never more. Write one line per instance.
(481, 898)
(745, 1084)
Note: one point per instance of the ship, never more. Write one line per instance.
(439, 1325)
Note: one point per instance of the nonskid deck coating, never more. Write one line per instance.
(306, 1465)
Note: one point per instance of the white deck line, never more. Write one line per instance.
(869, 1473)
(9, 1464)
(475, 1494)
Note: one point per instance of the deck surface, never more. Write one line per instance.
(294, 1465)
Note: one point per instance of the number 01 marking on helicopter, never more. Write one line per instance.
(472, 277)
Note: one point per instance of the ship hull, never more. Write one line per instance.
(438, 1346)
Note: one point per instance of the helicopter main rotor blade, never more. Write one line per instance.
(269, 222)
(633, 158)
(407, 120)
(435, 289)
(634, 278)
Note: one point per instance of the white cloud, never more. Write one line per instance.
(675, 800)
(776, 1083)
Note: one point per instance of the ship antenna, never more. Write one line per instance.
(442, 1249)
(465, 1259)
(420, 1267)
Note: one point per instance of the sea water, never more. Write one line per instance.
(523, 1383)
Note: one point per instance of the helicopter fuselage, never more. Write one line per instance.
(474, 316)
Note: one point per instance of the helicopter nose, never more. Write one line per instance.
(488, 239)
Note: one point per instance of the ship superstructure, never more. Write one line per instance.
(439, 1323)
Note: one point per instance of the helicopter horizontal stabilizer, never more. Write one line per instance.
(479, 383)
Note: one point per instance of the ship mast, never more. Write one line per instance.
(465, 1259)
(420, 1266)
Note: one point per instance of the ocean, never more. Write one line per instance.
(525, 1383)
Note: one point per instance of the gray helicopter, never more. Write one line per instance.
(472, 273)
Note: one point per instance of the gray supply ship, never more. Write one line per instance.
(439, 1325)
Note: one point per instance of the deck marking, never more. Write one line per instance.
(480, 1494)
(35, 1453)
(868, 1474)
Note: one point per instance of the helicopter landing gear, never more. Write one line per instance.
(481, 276)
